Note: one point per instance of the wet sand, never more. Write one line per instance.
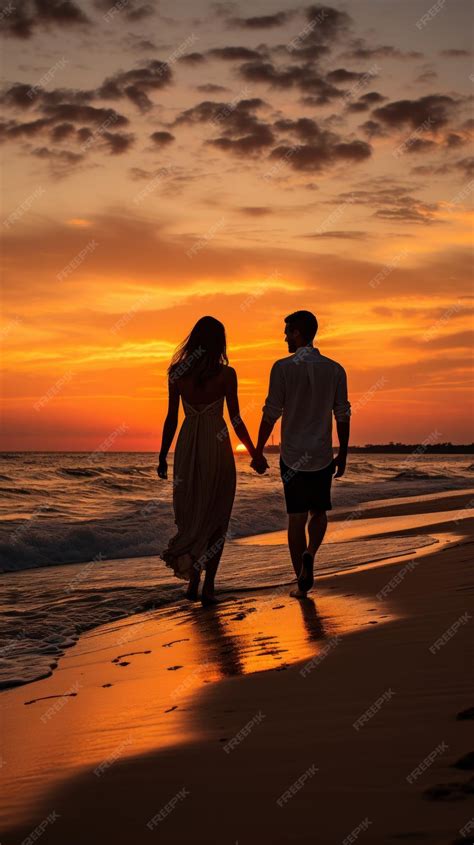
(265, 719)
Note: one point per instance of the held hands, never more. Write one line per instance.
(162, 468)
(259, 463)
(340, 464)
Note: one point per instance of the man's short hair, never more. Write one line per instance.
(305, 322)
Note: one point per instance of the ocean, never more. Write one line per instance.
(80, 537)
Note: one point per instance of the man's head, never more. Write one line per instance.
(300, 329)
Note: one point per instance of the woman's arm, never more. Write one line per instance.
(232, 400)
(169, 428)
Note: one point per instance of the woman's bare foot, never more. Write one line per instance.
(298, 594)
(193, 587)
(208, 595)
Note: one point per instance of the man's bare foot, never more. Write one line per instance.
(192, 594)
(306, 577)
(298, 594)
(208, 599)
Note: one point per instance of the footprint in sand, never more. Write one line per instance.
(174, 668)
(466, 763)
(465, 714)
(278, 607)
(47, 697)
(173, 642)
(121, 662)
(449, 791)
(170, 710)
(107, 685)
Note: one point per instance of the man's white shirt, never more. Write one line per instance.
(305, 390)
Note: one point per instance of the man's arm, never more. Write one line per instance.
(273, 408)
(342, 413)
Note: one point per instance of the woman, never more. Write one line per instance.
(204, 466)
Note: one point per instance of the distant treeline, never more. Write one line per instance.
(422, 449)
(407, 448)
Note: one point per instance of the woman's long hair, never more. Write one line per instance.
(202, 353)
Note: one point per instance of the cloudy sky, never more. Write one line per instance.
(165, 160)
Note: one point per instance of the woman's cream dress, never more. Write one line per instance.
(203, 487)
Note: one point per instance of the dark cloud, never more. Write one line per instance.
(320, 148)
(454, 140)
(262, 21)
(393, 202)
(255, 210)
(341, 75)
(327, 23)
(360, 49)
(464, 165)
(420, 145)
(304, 77)
(131, 10)
(350, 236)
(231, 54)
(90, 115)
(162, 139)
(62, 131)
(192, 59)
(28, 15)
(453, 53)
(426, 76)
(210, 88)
(372, 129)
(135, 84)
(241, 131)
(434, 109)
(366, 102)
(118, 142)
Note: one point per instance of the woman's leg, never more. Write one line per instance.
(215, 548)
(193, 586)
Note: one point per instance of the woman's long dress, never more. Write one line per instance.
(203, 488)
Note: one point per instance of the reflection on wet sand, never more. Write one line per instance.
(137, 683)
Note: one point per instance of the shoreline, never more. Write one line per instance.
(194, 678)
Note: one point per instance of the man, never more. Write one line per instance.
(306, 388)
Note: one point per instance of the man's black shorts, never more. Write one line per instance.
(307, 491)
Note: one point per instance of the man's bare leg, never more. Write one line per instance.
(297, 544)
(316, 530)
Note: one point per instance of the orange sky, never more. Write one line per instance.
(243, 183)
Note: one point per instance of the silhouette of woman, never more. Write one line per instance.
(204, 467)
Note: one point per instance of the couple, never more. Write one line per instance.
(306, 388)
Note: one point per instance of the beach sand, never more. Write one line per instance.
(265, 719)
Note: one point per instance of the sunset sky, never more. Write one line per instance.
(166, 160)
